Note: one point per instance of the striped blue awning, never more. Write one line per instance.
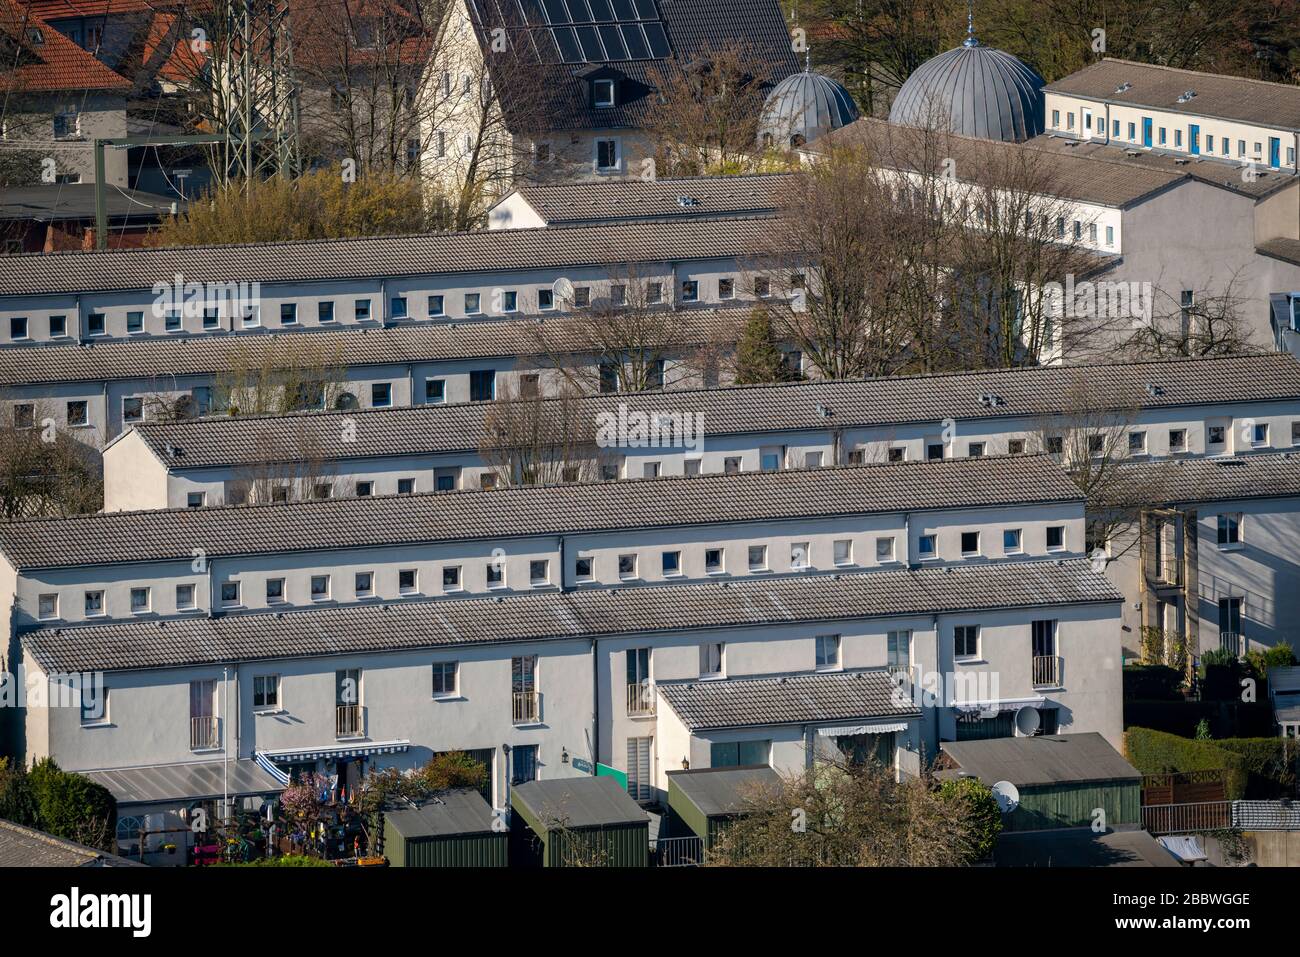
(358, 750)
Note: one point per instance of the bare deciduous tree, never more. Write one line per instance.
(528, 440)
(45, 470)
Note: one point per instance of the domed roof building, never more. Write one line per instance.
(973, 90)
(803, 107)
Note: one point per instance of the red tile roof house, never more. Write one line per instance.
(57, 99)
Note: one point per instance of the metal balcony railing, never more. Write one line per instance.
(349, 721)
(640, 698)
(1047, 671)
(525, 707)
(677, 852)
(205, 733)
(1230, 641)
(1182, 818)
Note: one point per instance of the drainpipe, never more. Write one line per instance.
(562, 547)
(81, 323)
(595, 704)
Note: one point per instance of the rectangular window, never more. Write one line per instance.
(885, 549)
(58, 327)
(184, 597)
(927, 547)
(288, 314)
(78, 413)
(266, 692)
(627, 566)
(539, 572)
(757, 558)
(970, 543)
(582, 568)
(828, 652)
(602, 93)
(132, 408)
(1216, 435)
(482, 385)
(47, 607)
(407, 581)
(1055, 536)
(1259, 434)
(690, 290)
(731, 465)
(1011, 541)
(381, 395)
(800, 555)
(451, 578)
(713, 561)
(606, 155)
(898, 649)
(94, 704)
(397, 307)
(671, 563)
(582, 297)
(545, 299)
(436, 307)
(361, 310)
(325, 312)
(726, 289)
(365, 488)
(711, 659)
(435, 390)
(966, 641)
(230, 593)
(654, 293)
(509, 300)
(975, 450)
(320, 587)
(523, 764)
(1015, 446)
(134, 322)
(496, 573)
(363, 584)
(406, 486)
(731, 754)
(95, 324)
(1110, 235)
(1177, 440)
(844, 551)
(1229, 529)
(196, 499)
(1137, 443)
(444, 678)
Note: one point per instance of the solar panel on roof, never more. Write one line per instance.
(568, 44)
(645, 9)
(578, 11)
(556, 12)
(614, 48)
(532, 11)
(600, 10)
(623, 10)
(637, 48)
(658, 39)
(591, 47)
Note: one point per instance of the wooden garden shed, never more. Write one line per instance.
(1062, 778)
(577, 822)
(454, 829)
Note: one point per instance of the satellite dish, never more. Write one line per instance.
(563, 289)
(1007, 795)
(1027, 721)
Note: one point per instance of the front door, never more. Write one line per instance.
(1146, 131)
(1274, 152)
(1194, 139)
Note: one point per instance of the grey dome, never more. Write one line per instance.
(805, 105)
(973, 90)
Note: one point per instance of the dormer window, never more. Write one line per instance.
(602, 92)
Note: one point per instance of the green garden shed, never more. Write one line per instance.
(1062, 778)
(577, 822)
(702, 802)
(453, 829)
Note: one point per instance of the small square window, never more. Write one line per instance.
(690, 291)
(975, 450)
(24, 416)
(288, 313)
(436, 307)
(132, 408)
(546, 299)
(602, 93)
(627, 566)
(444, 679)
(325, 312)
(1011, 538)
(364, 583)
(1055, 536)
(139, 600)
(970, 543)
(95, 324)
(1054, 444)
(365, 488)
(184, 597)
(582, 297)
(322, 490)
(509, 300)
(1216, 435)
(885, 549)
(397, 307)
(1137, 443)
(1229, 529)
(731, 464)
(897, 454)
(230, 593)
(800, 555)
(671, 563)
(47, 607)
(78, 413)
(757, 558)
(927, 546)
(381, 395)
(582, 568)
(496, 572)
(1177, 440)
(58, 327)
(654, 293)
(407, 581)
(196, 499)
(320, 587)
(713, 560)
(1259, 434)
(539, 572)
(451, 578)
(94, 603)
(726, 289)
(361, 310)
(472, 300)
(134, 322)
(1015, 446)
(844, 551)
(274, 590)
(406, 486)
(435, 390)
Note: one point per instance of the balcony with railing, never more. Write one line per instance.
(526, 707)
(205, 733)
(1048, 671)
(1184, 818)
(349, 721)
(1231, 642)
(640, 699)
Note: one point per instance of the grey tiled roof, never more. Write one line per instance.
(124, 537)
(1159, 87)
(898, 400)
(1254, 475)
(206, 354)
(381, 257)
(629, 199)
(27, 847)
(1287, 250)
(1081, 178)
(584, 614)
(1222, 172)
(787, 699)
